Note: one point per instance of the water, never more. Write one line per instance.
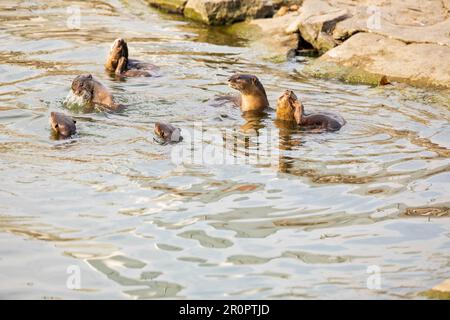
(315, 217)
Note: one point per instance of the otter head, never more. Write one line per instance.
(118, 50)
(245, 83)
(62, 124)
(288, 107)
(83, 86)
(253, 95)
(166, 133)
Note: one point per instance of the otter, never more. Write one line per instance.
(62, 124)
(92, 92)
(290, 109)
(253, 96)
(167, 133)
(119, 63)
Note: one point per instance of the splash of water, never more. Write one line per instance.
(73, 101)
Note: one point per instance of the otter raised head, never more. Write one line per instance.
(62, 124)
(118, 49)
(289, 108)
(119, 63)
(167, 133)
(93, 92)
(253, 96)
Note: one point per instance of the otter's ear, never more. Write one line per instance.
(89, 76)
(74, 121)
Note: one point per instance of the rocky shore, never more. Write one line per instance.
(361, 41)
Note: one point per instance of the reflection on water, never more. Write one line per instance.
(287, 214)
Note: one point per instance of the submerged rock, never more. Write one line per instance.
(221, 12)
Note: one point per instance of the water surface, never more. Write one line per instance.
(289, 214)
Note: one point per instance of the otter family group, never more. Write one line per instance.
(252, 99)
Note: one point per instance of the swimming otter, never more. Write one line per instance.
(119, 63)
(253, 96)
(62, 124)
(290, 109)
(167, 133)
(93, 92)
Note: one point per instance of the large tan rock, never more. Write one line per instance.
(221, 12)
(174, 6)
(325, 24)
(366, 57)
(409, 21)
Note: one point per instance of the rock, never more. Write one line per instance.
(173, 6)
(443, 287)
(280, 3)
(317, 21)
(367, 57)
(407, 21)
(282, 11)
(269, 34)
(440, 291)
(221, 12)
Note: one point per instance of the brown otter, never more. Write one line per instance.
(62, 124)
(119, 63)
(290, 109)
(93, 93)
(253, 96)
(167, 133)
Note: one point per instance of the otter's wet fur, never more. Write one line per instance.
(62, 124)
(253, 95)
(93, 93)
(167, 133)
(119, 62)
(289, 108)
